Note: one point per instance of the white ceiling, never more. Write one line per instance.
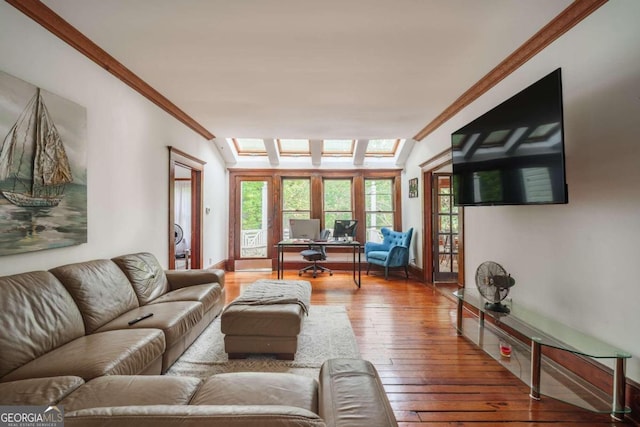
(343, 69)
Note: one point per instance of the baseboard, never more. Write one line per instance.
(222, 265)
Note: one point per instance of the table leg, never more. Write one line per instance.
(619, 386)
(459, 316)
(359, 265)
(536, 360)
(280, 261)
(355, 248)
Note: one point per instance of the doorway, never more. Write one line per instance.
(253, 223)
(445, 229)
(443, 247)
(185, 210)
(182, 217)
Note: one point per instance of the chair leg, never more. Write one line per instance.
(406, 271)
(368, 265)
(314, 269)
(386, 273)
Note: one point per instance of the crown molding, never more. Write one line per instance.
(46, 17)
(567, 19)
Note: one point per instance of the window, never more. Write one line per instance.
(382, 147)
(249, 146)
(338, 147)
(337, 203)
(296, 201)
(379, 208)
(294, 147)
(324, 195)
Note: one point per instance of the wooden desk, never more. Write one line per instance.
(356, 246)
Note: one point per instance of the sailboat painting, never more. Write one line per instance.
(43, 191)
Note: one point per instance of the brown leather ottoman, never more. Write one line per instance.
(266, 318)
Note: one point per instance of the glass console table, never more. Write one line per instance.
(542, 331)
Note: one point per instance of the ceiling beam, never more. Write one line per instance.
(567, 19)
(360, 151)
(272, 151)
(405, 151)
(225, 150)
(315, 146)
(46, 17)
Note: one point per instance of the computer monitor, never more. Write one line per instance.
(304, 228)
(344, 228)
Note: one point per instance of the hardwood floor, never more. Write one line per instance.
(432, 376)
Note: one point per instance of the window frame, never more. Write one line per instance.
(325, 211)
(281, 201)
(389, 153)
(316, 176)
(237, 143)
(367, 212)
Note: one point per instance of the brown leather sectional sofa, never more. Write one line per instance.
(65, 339)
(73, 319)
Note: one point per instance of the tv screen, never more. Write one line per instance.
(513, 154)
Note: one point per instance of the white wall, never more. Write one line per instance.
(577, 263)
(127, 164)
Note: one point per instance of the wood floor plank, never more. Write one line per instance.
(432, 376)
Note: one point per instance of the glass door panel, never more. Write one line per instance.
(445, 229)
(253, 224)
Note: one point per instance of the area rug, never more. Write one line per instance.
(326, 334)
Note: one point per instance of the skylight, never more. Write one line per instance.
(338, 147)
(294, 147)
(382, 147)
(319, 152)
(249, 146)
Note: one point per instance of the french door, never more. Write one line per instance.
(445, 229)
(252, 221)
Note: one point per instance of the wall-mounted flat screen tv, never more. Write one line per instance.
(513, 154)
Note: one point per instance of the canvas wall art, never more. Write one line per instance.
(413, 187)
(43, 172)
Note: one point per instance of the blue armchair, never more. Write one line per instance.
(392, 252)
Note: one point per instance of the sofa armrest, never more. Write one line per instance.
(182, 278)
(38, 391)
(372, 246)
(194, 416)
(351, 395)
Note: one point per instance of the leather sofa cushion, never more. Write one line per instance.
(209, 295)
(128, 390)
(100, 289)
(37, 315)
(175, 319)
(259, 388)
(194, 416)
(122, 352)
(38, 391)
(145, 274)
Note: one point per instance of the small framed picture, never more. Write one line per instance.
(413, 187)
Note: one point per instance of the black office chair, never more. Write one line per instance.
(315, 254)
